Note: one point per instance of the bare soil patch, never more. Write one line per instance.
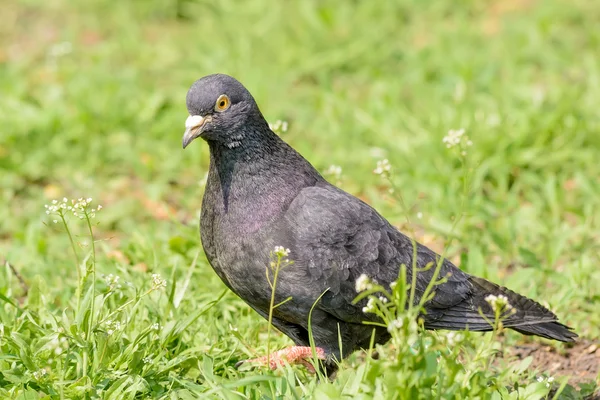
(580, 362)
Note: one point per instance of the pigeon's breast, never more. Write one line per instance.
(239, 254)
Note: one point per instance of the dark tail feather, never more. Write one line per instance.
(530, 318)
(549, 330)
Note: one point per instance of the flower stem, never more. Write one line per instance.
(272, 306)
(89, 224)
(93, 299)
(77, 266)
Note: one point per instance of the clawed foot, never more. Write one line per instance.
(292, 355)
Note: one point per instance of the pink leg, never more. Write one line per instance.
(292, 355)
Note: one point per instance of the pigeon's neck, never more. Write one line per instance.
(255, 181)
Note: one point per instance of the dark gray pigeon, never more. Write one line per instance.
(261, 194)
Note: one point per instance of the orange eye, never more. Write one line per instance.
(222, 103)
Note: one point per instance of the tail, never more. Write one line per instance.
(530, 318)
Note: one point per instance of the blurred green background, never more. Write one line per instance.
(92, 104)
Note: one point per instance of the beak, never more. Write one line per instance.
(193, 128)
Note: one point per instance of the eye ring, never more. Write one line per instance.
(222, 103)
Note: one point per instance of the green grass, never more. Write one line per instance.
(103, 117)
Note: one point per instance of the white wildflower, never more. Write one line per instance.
(279, 126)
(383, 299)
(147, 360)
(395, 324)
(453, 338)
(39, 374)
(112, 326)
(334, 171)
(155, 326)
(363, 283)
(80, 208)
(453, 138)
(370, 307)
(281, 252)
(458, 138)
(393, 285)
(546, 381)
(158, 282)
(58, 345)
(499, 303)
(383, 167)
(112, 281)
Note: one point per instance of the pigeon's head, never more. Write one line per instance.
(220, 108)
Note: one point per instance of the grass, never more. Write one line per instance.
(93, 106)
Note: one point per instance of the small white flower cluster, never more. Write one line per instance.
(334, 171)
(395, 324)
(370, 307)
(453, 138)
(147, 360)
(383, 167)
(58, 345)
(158, 282)
(457, 138)
(112, 281)
(454, 338)
(80, 208)
(547, 381)
(279, 126)
(364, 283)
(499, 303)
(281, 252)
(112, 326)
(155, 326)
(39, 374)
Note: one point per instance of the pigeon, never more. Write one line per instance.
(261, 194)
